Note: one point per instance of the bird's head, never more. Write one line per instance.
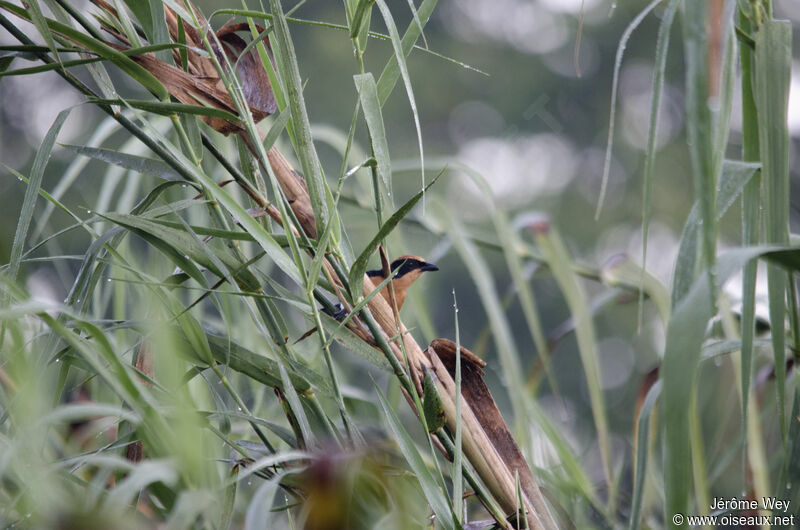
(407, 269)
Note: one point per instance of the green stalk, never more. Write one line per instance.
(242, 405)
(751, 204)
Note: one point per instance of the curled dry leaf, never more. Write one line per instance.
(479, 398)
(200, 84)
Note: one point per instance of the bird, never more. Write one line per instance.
(407, 269)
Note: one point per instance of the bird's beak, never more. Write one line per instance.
(428, 267)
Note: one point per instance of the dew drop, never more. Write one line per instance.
(240, 409)
(89, 212)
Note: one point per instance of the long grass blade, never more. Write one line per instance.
(559, 261)
(623, 42)
(368, 96)
(391, 72)
(125, 63)
(400, 55)
(359, 266)
(751, 215)
(38, 19)
(662, 45)
(433, 494)
(32, 191)
(290, 73)
(773, 65)
(642, 445)
(685, 333)
(700, 123)
(734, 179)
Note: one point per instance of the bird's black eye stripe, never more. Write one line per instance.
(404, 266)
(401, 267)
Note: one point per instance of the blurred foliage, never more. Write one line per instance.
(513, 102)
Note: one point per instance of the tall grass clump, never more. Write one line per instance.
(169, 387)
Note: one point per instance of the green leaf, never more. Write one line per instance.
(261, 368)
(642, 454)
(143, 13)
(662, 45)
(751, 213)
(368, 96)
(158, 32)
(124, 20)
(170, 242)
(168, 108)
(772, 76)
(306, 153)
(32, 191)
(622, 271)
(400, 55)
(277, 128)
(502, 333)
(359, 267)
(353, 343)
(38, 19)
(362, 11)
(259, 515)
(434, 495)
(74, 412)
(146, 166)
(735, 176)
(126, 64)
(560, 263)
(391, 72)
(248, 223)
(432, 404)
(180, 245)
(700, 125)
(5, 62)
(623, 42)
(685, 334)
(144, 474)
(296, 406)
(78, 62)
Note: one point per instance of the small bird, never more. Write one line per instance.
(407, 269)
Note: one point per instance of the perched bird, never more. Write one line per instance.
(407, 269)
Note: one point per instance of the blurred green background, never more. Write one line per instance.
(529, 113)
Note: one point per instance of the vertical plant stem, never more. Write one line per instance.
(751, 218)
